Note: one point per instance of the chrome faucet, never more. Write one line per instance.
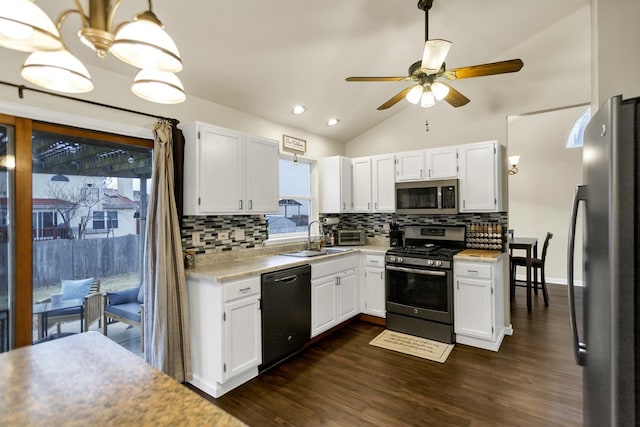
(309, 233)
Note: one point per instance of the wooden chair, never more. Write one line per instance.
(92, 310)
(536, 263)
(124, 306)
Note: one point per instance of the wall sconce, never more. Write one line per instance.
(513, 165)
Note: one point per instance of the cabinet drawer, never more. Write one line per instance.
(374, 261)
(476, 270)
(241, 288)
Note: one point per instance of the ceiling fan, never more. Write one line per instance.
(426, 87)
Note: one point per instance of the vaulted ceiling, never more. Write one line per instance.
(265, 56)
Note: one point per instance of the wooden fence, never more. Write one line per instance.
(54, 260)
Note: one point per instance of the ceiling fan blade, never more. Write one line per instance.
(455, 98)
(501, 67)
(376, 79)
(435, 51)
(398, 97)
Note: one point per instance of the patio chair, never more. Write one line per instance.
(92, 304)
(126, 306)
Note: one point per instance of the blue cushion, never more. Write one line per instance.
(141, 294)
(72, 289)
(124, 296)
(129, 310)
(64, 312)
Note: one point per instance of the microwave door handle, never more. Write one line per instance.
(439, 197)
(579, 348)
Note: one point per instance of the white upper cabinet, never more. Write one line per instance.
(480, 177)
(421, 165)
(373, 184)
(227, 172)
(361, 197)
(442, 163)
(410, 166)
(335, 184)
(383, 186)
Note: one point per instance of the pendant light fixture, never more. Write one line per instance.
(142, 42)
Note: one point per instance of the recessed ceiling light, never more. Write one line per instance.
(298, 109)
(332, 122)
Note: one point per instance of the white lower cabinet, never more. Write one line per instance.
(373, 289)
(478, 305)
(334, 292)
(225, 327)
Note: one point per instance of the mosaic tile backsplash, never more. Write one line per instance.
(213, 234)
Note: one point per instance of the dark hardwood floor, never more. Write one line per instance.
(343, 381)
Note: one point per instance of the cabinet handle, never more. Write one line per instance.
(368, 205)
(429, 173)
(472, 271)
(337, 280)
(420, 173)
(250, 204)
(243, 290)
(240, 204)
(374, 261)
(382, 275)
(376, 205)
(344, 205)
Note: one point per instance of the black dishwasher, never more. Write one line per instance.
(286, 313)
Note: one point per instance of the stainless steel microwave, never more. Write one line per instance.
(427, 197)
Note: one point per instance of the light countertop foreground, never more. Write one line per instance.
(88, 380)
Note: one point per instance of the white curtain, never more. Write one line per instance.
(166, 317)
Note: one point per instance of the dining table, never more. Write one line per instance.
(530, 246)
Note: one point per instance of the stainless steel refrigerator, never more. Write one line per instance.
(605, 335)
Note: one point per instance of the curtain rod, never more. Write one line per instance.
(22, 88)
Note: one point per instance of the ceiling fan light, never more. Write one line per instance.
(435, 51)
(27, 28)
(414, 95)
(159, 87)
(57, 70)
(440, 90)
(427, 100)
(145, 44)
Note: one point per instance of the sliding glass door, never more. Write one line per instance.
(7, 238)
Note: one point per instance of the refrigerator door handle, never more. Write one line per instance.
(579, 348)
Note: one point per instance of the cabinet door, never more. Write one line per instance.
(442, 163)
(478, 192)
(345, 184)
(221, 170)
(374, 291)
(262, 170)
(361, 196)
(323, 304)
(347, 290)
(384, 192)
(410, 166)
(243, 341)
(473, 308)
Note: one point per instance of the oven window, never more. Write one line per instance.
(418, 290)
(417, 198)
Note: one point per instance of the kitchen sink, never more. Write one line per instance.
(308, 253)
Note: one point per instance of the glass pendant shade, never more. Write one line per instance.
(435, 51)
(414, 95)
(440, 90)
(158, 86)
(25, 27)
(427, 100)
(143, 43)
(57, 70)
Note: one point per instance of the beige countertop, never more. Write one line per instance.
(244, 267)
(88, 380)
(478, 255)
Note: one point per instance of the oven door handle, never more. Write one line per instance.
(417, 271)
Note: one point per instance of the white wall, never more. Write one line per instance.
(114, 89)
(541, 193)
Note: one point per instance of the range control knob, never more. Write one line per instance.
(439, 263)
(392, 259)
(430, 262)
(400, 259)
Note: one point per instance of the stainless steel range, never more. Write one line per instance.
(419, 281)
